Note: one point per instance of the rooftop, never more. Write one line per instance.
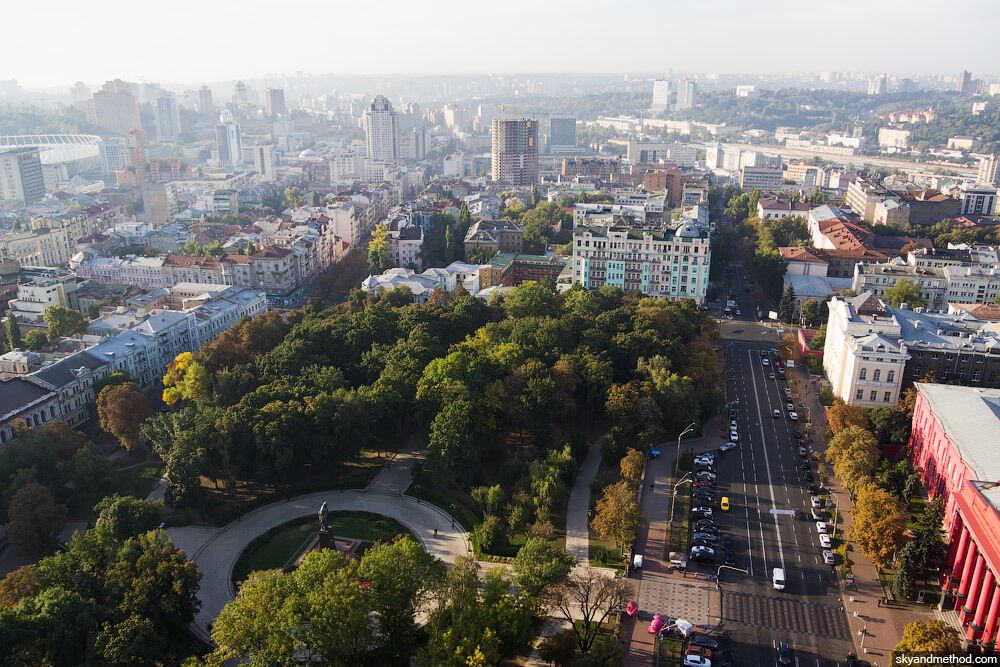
(970, 417)
(17, 394)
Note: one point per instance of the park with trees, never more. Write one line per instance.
(892, 521)
(504, 395)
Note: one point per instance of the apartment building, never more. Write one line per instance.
(769, 208)
(150, 335)
(495, 236)
(673, 262)
(760, 178)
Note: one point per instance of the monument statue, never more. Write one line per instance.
(324, 514)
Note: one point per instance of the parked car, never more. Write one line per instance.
(702, 523)
(816, 501)
(802, 452)
(789, 407)
(829, 558)
(817, 514)
(794, 416)
(708, 537)
(702, 553)
(696, 661)
(804, 465)
(698, 650)
(704, 640)
(788, 392)
(703, 484)
(702, 511)
(801, 515)
(824, 541)
(704, 474)
(734, 436)
(727, 446)
(821, 527)
(710, 530)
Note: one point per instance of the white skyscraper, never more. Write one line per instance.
(687, 94)
(168, 118)
(381, 130)
(229, 140)
(260, 158)
(21, 175)
(662, 90)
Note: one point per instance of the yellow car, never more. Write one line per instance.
(724, 504)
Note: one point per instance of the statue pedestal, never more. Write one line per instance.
(326, 539)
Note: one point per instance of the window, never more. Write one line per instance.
(877, 375)
(864, 374)
(891, 377)
(886, 397)
(873, 396)
(860, 395)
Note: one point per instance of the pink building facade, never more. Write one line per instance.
(955, 443)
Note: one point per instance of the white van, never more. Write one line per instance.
(778, 579)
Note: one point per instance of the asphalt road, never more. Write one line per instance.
(766, 485)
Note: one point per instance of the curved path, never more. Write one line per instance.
(215, 551)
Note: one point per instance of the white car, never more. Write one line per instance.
(770, 376)
(734, 436)
(697, 661)
(828, 558)
(821, 528)
(765, 362)
(727, 446)
(789, 407)
(788, 392)
(794, 416)
(776, 413)
(732, 425)
(816, 501)
(824, 541)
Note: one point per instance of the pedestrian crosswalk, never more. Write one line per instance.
(787, 614)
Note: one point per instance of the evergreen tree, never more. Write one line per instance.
(786, 307)
(13, 331)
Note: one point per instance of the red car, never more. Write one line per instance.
(703, 484)
(699, 650)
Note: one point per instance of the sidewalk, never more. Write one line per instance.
(884, 625)
(661, 590)
(578, 506)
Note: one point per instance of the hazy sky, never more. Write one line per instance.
(55, 42)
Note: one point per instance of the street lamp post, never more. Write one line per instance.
(677, 463)
(673, 496)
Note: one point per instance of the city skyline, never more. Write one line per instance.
(684, 37)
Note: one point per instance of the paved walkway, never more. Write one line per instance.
(661, 590)
(215, 550)
(578, 507)
(883, 624)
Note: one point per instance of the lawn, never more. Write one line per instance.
(221, 505)
(605, 553)
(279, 546)
(138, 481)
